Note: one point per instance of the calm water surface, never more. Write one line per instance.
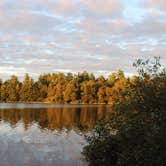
(46, 134)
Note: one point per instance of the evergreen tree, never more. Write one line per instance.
(12, 89)
(27, 89)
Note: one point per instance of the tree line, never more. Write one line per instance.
(64, 88)
(71, 88)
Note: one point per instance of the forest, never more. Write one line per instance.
(83, 88)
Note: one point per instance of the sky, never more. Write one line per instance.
(99, 36)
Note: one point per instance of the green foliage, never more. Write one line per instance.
(139, 117)
(148, 68)
(102, 149)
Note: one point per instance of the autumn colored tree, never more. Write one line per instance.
(27, 91)
(89, 92)
(12, 89)
(71, 92)
(75, 88)
(4, 94)
(43, 83)
(1, 83)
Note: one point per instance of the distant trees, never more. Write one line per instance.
(28, 90)
(12, 89)
(71, 92)
(73, 88)
(89, 91)
(4, 95)
(9, 90)
(58, 88)
(42, 84)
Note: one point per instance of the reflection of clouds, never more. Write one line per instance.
(37, 147)
(40, 134)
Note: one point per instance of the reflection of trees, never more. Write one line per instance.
(56, 118)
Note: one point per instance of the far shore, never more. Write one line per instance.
(34, 102)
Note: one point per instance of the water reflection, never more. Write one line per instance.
(58, 118)
(46, 135)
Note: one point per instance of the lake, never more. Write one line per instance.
(46, 134)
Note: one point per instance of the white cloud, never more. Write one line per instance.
(60, 36)
(156, 4)
(107, 7)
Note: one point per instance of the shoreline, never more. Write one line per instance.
(53, 103)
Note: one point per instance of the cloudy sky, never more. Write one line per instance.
(100, 36)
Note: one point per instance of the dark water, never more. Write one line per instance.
(46, 134)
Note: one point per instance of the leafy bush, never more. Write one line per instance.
(102, 149)
(140, 120)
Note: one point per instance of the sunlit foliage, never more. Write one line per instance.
(62, 88)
